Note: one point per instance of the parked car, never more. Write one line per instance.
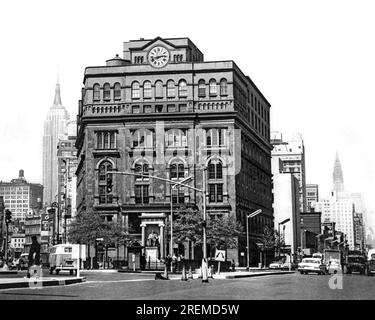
(314, 265)
(276, 265)
(286, 265)
(23, 262)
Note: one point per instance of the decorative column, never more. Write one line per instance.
(161, 244)
(143, 242)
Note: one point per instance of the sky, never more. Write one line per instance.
(314, 61)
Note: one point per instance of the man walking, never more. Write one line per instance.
(34, 254)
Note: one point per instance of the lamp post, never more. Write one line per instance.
(251, 215)
(278, 230)
(173, 187)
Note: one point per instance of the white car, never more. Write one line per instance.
(311, 265)
(276, 265)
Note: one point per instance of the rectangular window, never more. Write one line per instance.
(147, 109)
(136, 109)
(215, 192)
(183, 107)
(215, 137)
(159, 108)
(141, 194)
(171, 108)
(106, 140)
(180, 198)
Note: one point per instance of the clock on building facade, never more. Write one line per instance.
(158, 57)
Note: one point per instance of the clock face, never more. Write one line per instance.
(158, 57)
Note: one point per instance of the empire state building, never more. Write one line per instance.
(55, 128)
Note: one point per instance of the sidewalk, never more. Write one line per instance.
(13, 283)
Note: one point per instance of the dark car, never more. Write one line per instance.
(370, 270)
(355, 263)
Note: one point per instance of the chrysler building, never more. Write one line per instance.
(338, 179)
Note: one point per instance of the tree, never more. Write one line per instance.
(223, 231)
(87, 227)
(188, 226)
(270, 240)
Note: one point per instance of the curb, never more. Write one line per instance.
(8, 272)
(252, 275)
(43, 283)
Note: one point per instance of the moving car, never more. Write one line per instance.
(332, 260)
(308, 265)
(355, 263)
(65, 257)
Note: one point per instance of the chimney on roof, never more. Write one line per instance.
(21, 174)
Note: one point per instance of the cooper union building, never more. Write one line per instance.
(160, 110)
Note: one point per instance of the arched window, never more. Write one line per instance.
(117, 91)
(142, 138)
(170, 89)
(223, 87)
(106, 91)
(215, 184)
(213, 87)
(176, 138)
(147, 89)
(136, 94)
(105, 195)
(96, 92)
(177, 171)
(142, 170)
(182, 88)
(215, 170)
(159, 89)
(201, 88)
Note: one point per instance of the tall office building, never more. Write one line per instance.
(162, 110)
(291, 155)
(21, 196)
(312, 196)
(67, 166)
(341, 212)
(55, 128)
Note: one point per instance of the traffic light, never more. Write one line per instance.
(109, 183)
(8, 216)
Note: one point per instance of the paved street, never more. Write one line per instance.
(112, 286)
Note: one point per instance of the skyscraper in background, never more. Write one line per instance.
(55, 128)
(338, 177)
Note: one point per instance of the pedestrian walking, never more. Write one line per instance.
(34, 254)
(174, 263)
(233, 265)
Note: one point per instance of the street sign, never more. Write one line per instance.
(220, 255)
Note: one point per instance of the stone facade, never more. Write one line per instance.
(173, 122)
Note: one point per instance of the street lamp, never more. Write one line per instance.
(278, 230)
(173, 187)
(251, 215)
